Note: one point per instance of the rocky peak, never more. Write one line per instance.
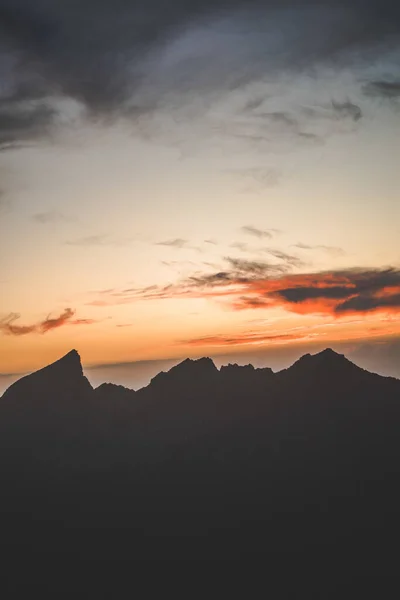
(65, 375)
(188, 372)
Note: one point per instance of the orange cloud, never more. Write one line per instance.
(9, 327)
(253, 285)
(243, 338)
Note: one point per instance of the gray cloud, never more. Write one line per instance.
(257, 178)
(21, 124)
(294, 261)
(175, 243)
(384, 89)
(333, 250)
(128, 58)
(51, 216)
(98, 240)
(259, 233)
(347, 110)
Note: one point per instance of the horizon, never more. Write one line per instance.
(219, 181)
(124, 373)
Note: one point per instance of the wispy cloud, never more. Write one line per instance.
(175, 243)
(284, 257)
(51, 216)
(8, 325)
(247, 338)
(98, 240)
(179, 243)
(333, 250)
(257, 178)
(259, 233)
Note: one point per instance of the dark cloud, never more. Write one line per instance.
(369, 302)
(385, 89)
(343, 292)
(253, 268)
(347, 110)
(301, 294)
(110, 55)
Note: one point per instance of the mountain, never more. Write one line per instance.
(64, 376)
(237, 462)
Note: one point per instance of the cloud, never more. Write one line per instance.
(175, 243)
(143, 55)
(257, 178)
(333, 250)
(337, 293)
(50, 216)
(347, 110)
(384, 89)
(21, 124)
(242, 339)
(240, 246)
(247, 284)
(284, 257)
(9, 327)
(179, 243)
(259, 233)
(252, 268)
(98, 240)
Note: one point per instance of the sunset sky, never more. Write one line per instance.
(199, 178)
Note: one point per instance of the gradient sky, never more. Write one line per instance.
(198, 179)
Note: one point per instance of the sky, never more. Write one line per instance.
(199, 178)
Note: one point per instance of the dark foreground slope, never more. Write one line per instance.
(236, 463)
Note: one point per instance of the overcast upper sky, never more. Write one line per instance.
(189, 178)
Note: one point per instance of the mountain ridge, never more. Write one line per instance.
(70, 365)
(202, 462)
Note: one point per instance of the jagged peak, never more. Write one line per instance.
(71, 359)
(325, 358)
(232, 366)
(194, 365)
(67, 372)
(192, 368)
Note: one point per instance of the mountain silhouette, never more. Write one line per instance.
(65, 376)
(235, 462)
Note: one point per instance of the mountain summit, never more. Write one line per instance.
(327, 361)
(64, 376)
(187, 373)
